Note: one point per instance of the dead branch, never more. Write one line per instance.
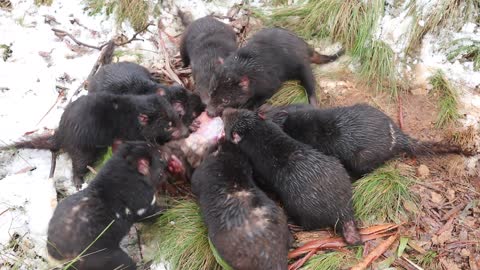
(61, 94)
(168, 68)
(62, 33)
(377, 252)
(133, 38)
(400, 112)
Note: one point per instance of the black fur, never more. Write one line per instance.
(123, 78)
(123, 192)
(130, 78)
(314, 188)
(204, 45)
(361, 136)
(90, 124)
(257, 70)
(247, 228)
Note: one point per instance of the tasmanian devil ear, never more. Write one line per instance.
(220, 61)
(280, 117)
(179, 108)
(161, 91)
(143, 119)
(236, 138)
(143, 166)
(244, 82)
(261, 114)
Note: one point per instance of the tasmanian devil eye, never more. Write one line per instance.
(224, 101)
(170, 125)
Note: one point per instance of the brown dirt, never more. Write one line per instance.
(449, 220)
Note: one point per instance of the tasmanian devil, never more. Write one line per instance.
(314, 188)
(204, 45)
(121, 194)
(92, 123)
(247, 228)
(256, 71)
(360, 136)
(131, 78)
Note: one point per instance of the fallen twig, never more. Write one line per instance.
(61, 94)
(134, 37)
(139, 242)
(26, 169)
(454, 211)
(62, 33)
(367, 234)
(377, 252)
(300, 262)
(92, 170)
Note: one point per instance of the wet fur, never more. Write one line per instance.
(130, 78)
(246, 227)
(90, 124)
(362, 137)
(314, 188)
(256, 71)
(204, 42)
(81, 217)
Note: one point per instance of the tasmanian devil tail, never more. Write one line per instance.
(419, 148)
(44, 141)
(323, 59)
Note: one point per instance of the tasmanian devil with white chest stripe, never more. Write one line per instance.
(360, 136)
(314, 188)
(121, 194)
(246, 227)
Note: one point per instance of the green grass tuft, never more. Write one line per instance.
(446, 14)
(326, 261)
(378, 66)
(448, 99)
(43, 2)
(278, 2)
(467, 48)
(350, 22)
(382, 196)
(290, 93)
(428, 260)
(133, 11)
(180, 239)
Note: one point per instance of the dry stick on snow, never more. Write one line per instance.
(61, 94)
(62, 33)
(377, 252)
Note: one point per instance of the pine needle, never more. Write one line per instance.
(448, 99)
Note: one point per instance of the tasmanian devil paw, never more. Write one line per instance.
(351, 234)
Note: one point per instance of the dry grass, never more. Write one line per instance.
(43, 2)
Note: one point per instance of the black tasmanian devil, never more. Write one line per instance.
(131, 78)
(121, 194)
(361, 136)
(256, 71)
(204, 45)
(314, 188)
(246, 227)
(92, 123)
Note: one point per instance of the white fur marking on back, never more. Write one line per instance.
(153, 200)
(84, 199)
(117, 215)
(141, 211)
(393, 135)
(127, 211)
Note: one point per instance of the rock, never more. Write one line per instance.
(419, 91)
(465, 252)
(423, 171)
(429, 87)
(436, 198)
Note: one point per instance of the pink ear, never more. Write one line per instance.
(261, 115)
(143, 166)
(236, 138)
(161, 91)
(244, 82)
(178, 107)
(143, 119)
(220, 61)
